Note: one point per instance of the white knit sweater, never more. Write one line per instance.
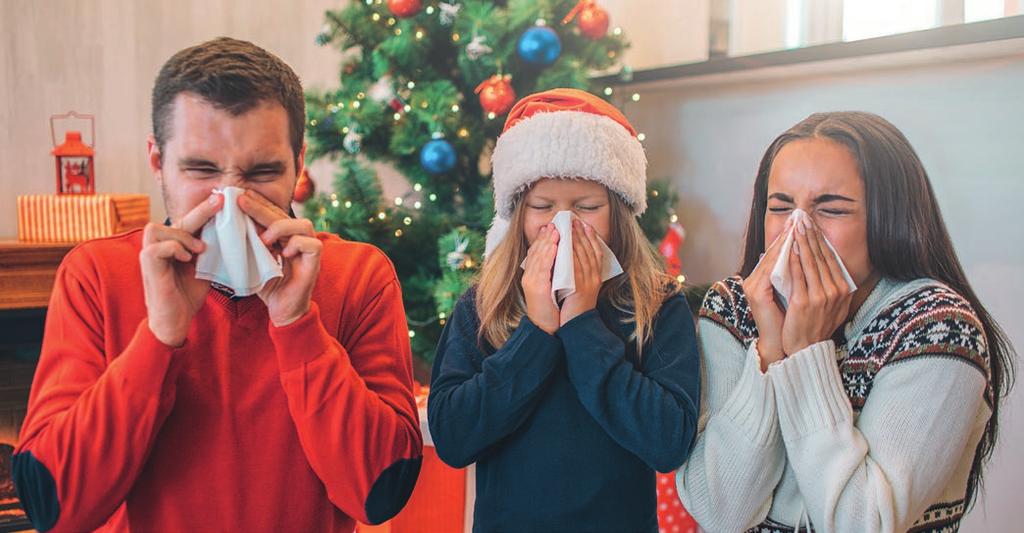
(875, 435)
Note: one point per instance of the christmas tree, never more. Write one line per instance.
(424, 86)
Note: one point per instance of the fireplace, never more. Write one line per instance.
(27, 271)
(21, 332)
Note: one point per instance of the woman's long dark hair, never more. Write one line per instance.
(907, 238)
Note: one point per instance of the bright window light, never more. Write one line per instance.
(863, 19)
(975, 10)
(794, 23)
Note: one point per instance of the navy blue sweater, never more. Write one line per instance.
(566, 430)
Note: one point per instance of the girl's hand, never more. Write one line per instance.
(587, 261)
(820, 301)
(540, 259)
(768, 314)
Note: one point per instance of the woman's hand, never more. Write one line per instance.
(820, 301)
(768, 314)
(540, 259)
(587, 262)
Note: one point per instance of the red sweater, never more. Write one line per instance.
(247, 427)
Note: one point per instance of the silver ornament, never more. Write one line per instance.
(352, 142)
(457, 260)
(448, 12)
(381, 90)
(476, 47)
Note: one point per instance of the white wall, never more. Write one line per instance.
(661, 33)
(965, 120)
(101, 56)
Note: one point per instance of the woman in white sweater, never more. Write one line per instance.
(865, 411)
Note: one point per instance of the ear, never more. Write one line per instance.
(300, 162)
(154, 158)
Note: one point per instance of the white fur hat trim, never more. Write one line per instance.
(565, 144)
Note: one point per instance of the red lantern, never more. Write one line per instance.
(404, 8)
(496, 94)
(593, 22)
(74, 158)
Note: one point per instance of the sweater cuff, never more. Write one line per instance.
(539, 343)
(586, 327)
(530, 329)
(809, 391)
(301, 341)
(751, 406)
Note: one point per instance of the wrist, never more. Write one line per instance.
(280, 321)
(170, 339)
(799, 345)
(545, 326)
(769, 352)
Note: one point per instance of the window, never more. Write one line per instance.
(863, 19)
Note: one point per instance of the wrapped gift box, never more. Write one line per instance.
(79, 217)
(443, 499)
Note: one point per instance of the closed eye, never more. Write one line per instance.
(263, 175)
(202, 170)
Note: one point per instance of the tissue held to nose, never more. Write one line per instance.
(563, 281)
(235, 256)
(780, 275)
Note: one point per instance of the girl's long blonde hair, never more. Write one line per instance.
(638, 293)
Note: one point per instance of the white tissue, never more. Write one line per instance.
(780, 276)
(235, 256)
(563, 280)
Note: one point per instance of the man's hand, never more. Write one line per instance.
(173, 294)
(288, 297)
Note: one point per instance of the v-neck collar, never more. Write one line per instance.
(236, 306)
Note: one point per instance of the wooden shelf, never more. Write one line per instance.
(27, 271)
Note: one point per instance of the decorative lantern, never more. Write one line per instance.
(74, 158)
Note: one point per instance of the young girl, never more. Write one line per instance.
(865, 411)
(567, 410)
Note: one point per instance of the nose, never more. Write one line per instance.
(232, 178)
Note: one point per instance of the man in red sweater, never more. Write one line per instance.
(160, 403)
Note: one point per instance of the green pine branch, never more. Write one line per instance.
(403, 80)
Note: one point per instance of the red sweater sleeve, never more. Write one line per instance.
(89, 423)
(353, 405)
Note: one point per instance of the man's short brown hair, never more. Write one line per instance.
(232, 75)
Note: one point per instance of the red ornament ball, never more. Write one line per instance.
(404, 8)
(496, 94)
(304, 188)
(593, 22)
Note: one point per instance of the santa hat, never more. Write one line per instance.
(565, 133)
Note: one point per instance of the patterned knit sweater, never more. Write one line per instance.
(877, 433)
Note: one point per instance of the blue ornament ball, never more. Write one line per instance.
(437, 156)
(539, 45)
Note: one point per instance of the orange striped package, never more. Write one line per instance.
(77, 218)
